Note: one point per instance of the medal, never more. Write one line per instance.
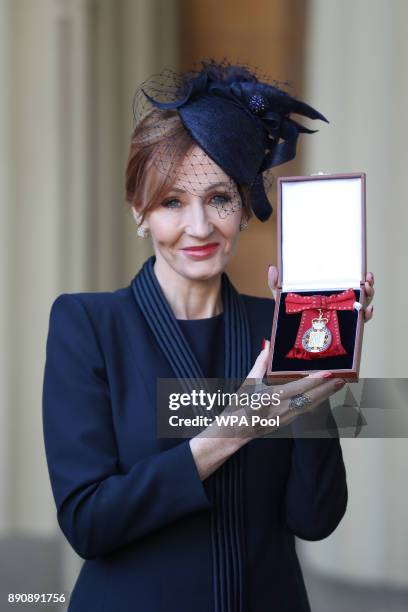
(318, 337)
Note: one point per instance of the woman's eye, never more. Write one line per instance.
(220, 199)
(171, 203)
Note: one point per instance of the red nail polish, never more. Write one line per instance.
(263, 343)
(328, 375)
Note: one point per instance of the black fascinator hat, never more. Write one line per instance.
(242, 122)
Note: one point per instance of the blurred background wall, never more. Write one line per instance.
(68, 70)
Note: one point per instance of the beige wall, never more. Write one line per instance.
(356, 72)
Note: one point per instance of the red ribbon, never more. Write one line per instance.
(309, 306)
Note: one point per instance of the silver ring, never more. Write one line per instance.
(300, 401)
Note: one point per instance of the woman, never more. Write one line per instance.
(205, 523)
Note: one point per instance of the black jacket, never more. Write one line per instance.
(133, 505)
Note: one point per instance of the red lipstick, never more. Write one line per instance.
(201, 252)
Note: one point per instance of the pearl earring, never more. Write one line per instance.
(143, 232)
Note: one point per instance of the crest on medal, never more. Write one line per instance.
(318, 337)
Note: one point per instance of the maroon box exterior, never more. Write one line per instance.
(351, 374)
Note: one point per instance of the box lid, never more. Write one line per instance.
(321, 232)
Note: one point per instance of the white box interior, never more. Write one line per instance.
(321, 234)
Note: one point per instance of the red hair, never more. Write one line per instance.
(145, 186)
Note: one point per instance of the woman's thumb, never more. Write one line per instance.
(261, 363)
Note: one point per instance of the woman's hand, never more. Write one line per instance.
(368, 288)
(312, 390)
(212, 446)
(210, 452)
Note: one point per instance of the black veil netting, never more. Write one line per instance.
(239, 119)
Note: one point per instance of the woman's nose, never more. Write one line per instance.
(198, 222)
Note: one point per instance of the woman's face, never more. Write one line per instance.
(195, 228)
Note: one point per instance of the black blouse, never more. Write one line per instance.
(206, 339)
